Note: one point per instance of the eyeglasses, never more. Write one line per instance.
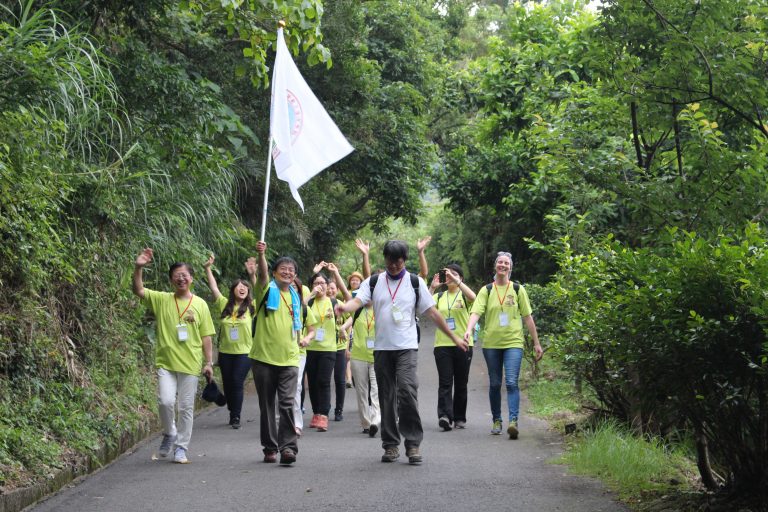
(502, 253)
(181, 275)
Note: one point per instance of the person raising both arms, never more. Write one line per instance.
(183, 346)
(452, 362)
(236, 310)
(506, 308)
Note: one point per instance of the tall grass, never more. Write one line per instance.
(627, 463)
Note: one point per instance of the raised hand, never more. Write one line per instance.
(261, 247)
(320, 266)
(363, 247)
(209, 261)
(144, 258)
(423, 243)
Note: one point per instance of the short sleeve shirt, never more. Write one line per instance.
(234, 332)
(493, 305)
(171, 353)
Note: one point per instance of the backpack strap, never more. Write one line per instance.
(256, 313)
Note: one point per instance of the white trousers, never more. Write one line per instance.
(365, 380)
(298, 417)
(169, 386)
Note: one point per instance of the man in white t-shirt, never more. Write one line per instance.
(395, 348)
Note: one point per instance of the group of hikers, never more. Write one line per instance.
(362, 332)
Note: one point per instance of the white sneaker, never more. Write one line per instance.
(180, 456)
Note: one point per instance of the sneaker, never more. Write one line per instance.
(298, 431)
(372, 430)
(349, 385)
(338, 416)
(287, 457)
(313, 422)
(512, 429)
(460, 424)
(496, 428)
(366, 431)
(270, 456)
(444, 423)
(165, 445)
(414, 456)
(235, 423)
(391, 454)
(322, 423)
(180, 455)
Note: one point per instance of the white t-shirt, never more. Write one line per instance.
(392, 335)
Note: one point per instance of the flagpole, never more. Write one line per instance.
(266, 190)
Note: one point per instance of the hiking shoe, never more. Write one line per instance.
(322, 423)
(165, 445)
(512, 429)
(459, 424)
(298, 431)
(444, 423)
(270, 456)
(338, 416)
(287, 457)
(496, 428)
(313, 422)
(180, 455)
(366, 431)
(414, 456)
(235, 423)
(349, 385)
(372, 430)
(391, 454)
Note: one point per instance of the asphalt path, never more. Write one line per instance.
(340, 470)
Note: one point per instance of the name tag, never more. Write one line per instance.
(369, 342)
(181, 332)
(503, 319)
(234, 333)
(320, 334)
(397, 315)
(451, 323)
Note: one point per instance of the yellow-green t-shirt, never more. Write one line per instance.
(275, 341)
(492, 304)
(170, 353)
(452, 305)
(231, 328)
(363, 330)
(325, 327)
(310, 320)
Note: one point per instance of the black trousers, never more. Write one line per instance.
(234, 371)
(340, 378)
(277, 381)
(319, 370)
(398, 397)
(453, 376)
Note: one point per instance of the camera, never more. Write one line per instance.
(441, 276)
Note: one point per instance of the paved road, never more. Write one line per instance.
(340, 470)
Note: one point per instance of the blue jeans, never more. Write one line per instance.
(510, 359)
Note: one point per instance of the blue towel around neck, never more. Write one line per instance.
(273, 303)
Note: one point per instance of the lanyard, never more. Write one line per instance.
(393, 295)
(185, 309)
(501, 300)
(450, 304)
(322, 313)
(368, 322)
(290, 307)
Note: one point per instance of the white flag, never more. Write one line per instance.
(305, 139)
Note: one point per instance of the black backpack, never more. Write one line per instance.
(414, 283)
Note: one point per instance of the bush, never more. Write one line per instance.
(676, 337)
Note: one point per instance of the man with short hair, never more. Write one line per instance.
(395, 305)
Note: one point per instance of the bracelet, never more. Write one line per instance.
(209, 363)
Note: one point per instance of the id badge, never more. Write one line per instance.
(234, 333)
(451, 323)
(369, 342)
(397, 315)
(181, 332)
(503, 319)
(320, 334)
